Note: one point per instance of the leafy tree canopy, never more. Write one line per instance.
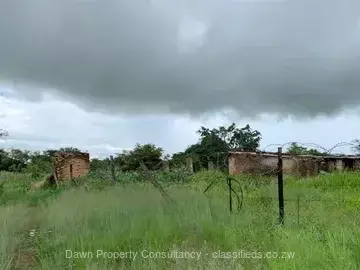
(296, 149)
(148, 153)
(214, 144)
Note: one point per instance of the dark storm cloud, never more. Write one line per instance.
(287, 57)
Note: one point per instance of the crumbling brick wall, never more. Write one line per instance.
(252, 163)
(300, 165)
(266, 163)
(307, 167)
(71, 165)
(242, 163)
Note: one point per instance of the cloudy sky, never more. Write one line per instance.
(103, 75)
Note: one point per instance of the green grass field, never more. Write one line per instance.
(86, 228)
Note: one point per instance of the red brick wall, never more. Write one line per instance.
(80, 163)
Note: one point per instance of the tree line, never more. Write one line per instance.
(212, 145)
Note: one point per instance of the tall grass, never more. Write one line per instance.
(321, 226)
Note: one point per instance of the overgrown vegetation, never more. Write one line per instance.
(321, 227)
(38, 227)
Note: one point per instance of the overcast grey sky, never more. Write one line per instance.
(103, 75)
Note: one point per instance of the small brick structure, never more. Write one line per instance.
(68, 165)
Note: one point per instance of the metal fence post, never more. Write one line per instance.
(281, 187)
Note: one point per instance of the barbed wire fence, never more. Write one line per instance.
(219, 160)
(271, 165)
(243, 170)
(302, 166)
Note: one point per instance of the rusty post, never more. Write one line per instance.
(281, 187)
(71, 172)
(230, 191)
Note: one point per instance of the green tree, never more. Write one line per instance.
(296, 149)
(22, 156)
(99, 164)
(315, 152)
(148, 153)
(40, 163)
(243, 138)
(215, 143)
(13, 160)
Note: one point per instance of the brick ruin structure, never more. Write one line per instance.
(298, 165)
(68, 165)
